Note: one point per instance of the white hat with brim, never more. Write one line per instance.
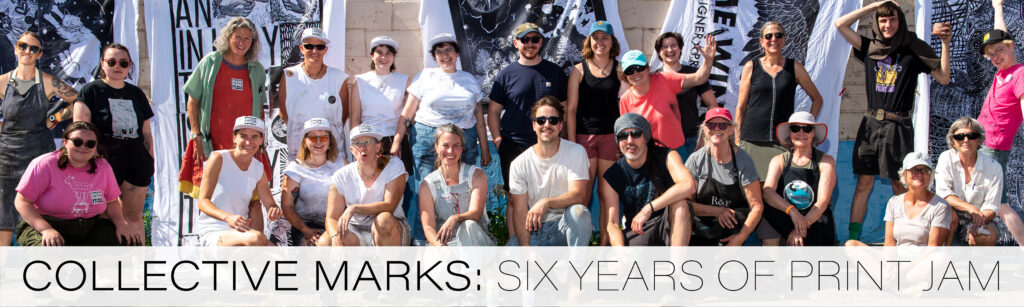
(383, 40)
(914, 159)
(782, 132)
(316, 123)
(440, 38)
(316, 33)
(251, 122)
(365, 130)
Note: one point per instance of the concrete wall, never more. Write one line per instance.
(399, 20)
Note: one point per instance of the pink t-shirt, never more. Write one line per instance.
(660, 107)
(1001, 114)
(70, 192)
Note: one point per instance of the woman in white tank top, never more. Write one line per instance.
(227, 216)
(380, 95)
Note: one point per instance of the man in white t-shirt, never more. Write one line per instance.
(547, 183)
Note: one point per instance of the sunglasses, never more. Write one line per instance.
(532, 39)
(779, 35)
(634, 69)
(316, 138)
(31, 48)
(541, 120)
(970, 136)
(364, 142)
(718, 126)
(88, 144)
(123, 62)
(920, 171)
(798, 128)
(320, 47)
(636, 134)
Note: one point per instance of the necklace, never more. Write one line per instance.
(603, 68)
(318, 73)
(384, 82)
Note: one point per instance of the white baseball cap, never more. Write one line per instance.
(383, 40)
(365, 130)
(316, 33)
(440, 38)
(914, 159)
(316, 123)
(250, 122)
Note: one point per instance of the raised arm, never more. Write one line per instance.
(943, 73)
(702, 74)
(846, 21)
(998, 22)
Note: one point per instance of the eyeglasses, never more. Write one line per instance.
(779, 35)
(31, 48)
(636, 134)
(88, 144)
(320, 47)
(718, 126)
(532, 39)
(634, 69)
(124, 62)
(316, 138)
(995, 50)
(798, 128)
(541, 120)
(920, 171)
(970, 136)
(364, 142)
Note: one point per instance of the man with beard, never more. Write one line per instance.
(648, 185)
(547, 184)
(516, 88)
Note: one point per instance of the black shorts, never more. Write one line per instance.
(657, 232)
(881, 146)
(131, 162)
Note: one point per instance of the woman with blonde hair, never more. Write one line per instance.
(453, 196)
(307, 182)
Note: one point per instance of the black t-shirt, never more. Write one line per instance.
(688, 100)
(890, 83)
(633, 186)
(517, 87)
(117, 113)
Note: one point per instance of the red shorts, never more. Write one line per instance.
(601, 146)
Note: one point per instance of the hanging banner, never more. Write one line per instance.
(810, 38)
(180, 33)
(486, 29)
(938, 106)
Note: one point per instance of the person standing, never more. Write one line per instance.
(669, 50)
(312, 89)
(896, 56)
(648, 185)
(515, 89)
(121, 113)
(380, 93)
(27, 118)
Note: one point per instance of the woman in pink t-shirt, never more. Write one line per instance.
(63, 193)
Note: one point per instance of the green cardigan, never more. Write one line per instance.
(200, 86)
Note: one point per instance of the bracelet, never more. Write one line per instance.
(496, 140)
(334, 235)
(790, 207)
(652, 207)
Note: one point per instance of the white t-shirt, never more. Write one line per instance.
(985, 189)
(544, 178)
(232, 192)
(308, 98)
(446, 98)
(348, 183)
(382, 99)
(914, 232)
(314, 185)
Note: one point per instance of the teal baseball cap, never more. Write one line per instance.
(632, 58)
(602, 26)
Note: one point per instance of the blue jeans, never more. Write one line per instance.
(573, 229)
(688, 148)
(421, 138)
(1001, 156)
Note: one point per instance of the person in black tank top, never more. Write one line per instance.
(593, 104)
(799, 185)
(767, 90)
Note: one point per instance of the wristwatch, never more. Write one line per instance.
(193, 136)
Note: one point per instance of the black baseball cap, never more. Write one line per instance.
(992, 37)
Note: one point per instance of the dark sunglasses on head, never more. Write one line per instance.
(541, 120)
(971, 135)
(779, 35)
(718, 126)
(529, 39)
(315, 138)
(634, 69)
(636, 134)
(88, 144)
(314, 46)
(804, 128)
(123, 62)
(31, 48)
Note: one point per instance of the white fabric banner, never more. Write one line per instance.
(126, 30)
(810, 38)
(486, 31)
(180, 33)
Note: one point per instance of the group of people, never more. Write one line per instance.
(664, 175)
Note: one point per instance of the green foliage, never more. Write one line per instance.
(498, 226)
(147, 219)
